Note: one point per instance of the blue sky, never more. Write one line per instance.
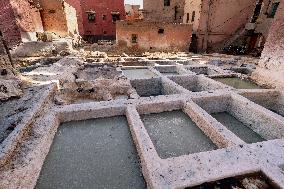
(134, 2)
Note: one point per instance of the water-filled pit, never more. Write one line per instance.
(237, 127)
(271, 101)
(97, 153)
(138, 74)
(175, 134)
(152, 87)
(238, 83)
(196, 83)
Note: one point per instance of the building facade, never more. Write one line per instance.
(99, 18)
(217, 21)
(227, 25)
(154, 36)
(171, 11)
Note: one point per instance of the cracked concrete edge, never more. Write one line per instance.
(8, 146)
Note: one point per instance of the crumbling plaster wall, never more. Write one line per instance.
(71, 16)
(76, 4)
(174, 36)
(19, 21)
(155, 11)
(273, 53)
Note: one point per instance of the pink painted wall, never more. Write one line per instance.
(101, 8)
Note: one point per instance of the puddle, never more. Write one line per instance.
(238, 83)
(238, 128)
(174, 134)
(253, 181)
(96, 153)
(138, 74)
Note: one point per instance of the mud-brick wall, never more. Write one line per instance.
(59, 17)
(19, 21)
(175, 37)
(273, 53)
(53, 17)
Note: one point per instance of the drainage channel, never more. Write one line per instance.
(238, 83)
(97, 153)
(175, 134)
(237, 127)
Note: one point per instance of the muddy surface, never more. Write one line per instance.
(92, 72)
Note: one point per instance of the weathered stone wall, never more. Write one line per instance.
(155, 11)
(19, 21)
(273, 53)
(174, 37)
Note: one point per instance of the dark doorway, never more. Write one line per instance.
(194, 43)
